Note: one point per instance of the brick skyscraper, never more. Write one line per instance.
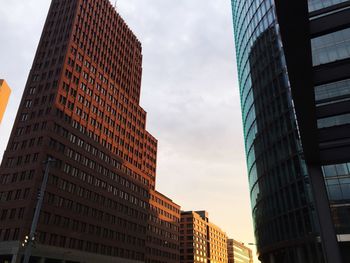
(81, 108)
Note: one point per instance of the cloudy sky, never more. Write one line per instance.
(189, 90)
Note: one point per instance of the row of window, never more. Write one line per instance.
(16, 177)
(88, 246)
(105, 157)
(38, 101)
(101, 51)
(100, 184)
(163, 242)
(121, 72)
(21, 145)
(332, 92)
(12, 214)
(331, 47)
(98, 125)
(21, 160)
(111, 109)
(165, 204)
(86, 211)
(101, 87)
(164, 254)
(18, 194)
(172, 225)
(92, 230)
(73, 171)
(332, 121)
(159, 211)
(337, 179)
(319, 4)
(9, 234)
(34, 115)
(151, 166)
(155, 230)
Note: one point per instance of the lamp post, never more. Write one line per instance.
(29, 240)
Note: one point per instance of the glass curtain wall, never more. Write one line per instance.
(332, 100)
(282, 208)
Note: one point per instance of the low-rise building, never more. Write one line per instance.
(5, 92)
(200, 240)
(162, 245)
(217, 244)
(238, 252)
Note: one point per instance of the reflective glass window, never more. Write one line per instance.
(333, 121)
(337, 178)
(336, 170)
(331, 47)
(334, 192)
(332, 91)
(329, 170)
(345, 188)
(319, 4)
(342, 169)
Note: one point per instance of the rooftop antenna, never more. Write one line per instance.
(115, 4)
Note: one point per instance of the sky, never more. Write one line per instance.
(189, 90)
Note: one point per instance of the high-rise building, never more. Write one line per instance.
(80, 107)
(238, 252)
(293, 67)
(201, 240)
(5, 92)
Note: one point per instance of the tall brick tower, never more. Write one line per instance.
(81, 108)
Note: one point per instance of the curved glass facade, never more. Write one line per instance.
(283, 213)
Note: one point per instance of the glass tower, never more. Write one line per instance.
(330, 48)
(284, 210)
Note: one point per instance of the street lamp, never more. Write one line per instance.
(30, 240)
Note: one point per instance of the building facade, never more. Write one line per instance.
(217, 244)
(193, 238)
(80, 107)
(163, 240)
(293, 83)
(5, 92)
(238, 252)
(201, 240)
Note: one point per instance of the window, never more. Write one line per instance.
(336, 170)
(28, 103)
(24, 117)
(332, 92)
(320, 4)
(331, 47)
(333, 121)
(32, 90)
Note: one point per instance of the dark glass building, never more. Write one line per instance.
(293, 67)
